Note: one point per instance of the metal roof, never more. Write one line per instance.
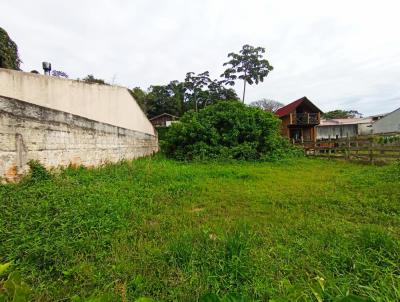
(293, 105)
(162, 114)
(346, 121)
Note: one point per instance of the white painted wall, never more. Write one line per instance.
(107, 104)
(389, 123)
(365, 129)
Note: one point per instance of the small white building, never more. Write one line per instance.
(390, 123)
(341, 128)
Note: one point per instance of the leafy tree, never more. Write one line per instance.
(194, 85)
(267, 105)
(160, 99)
(9, 57)
(218, 92)
(249, 66)
(201, 91)
(341, 114)
(140, 96)
(177, 91)
(196, 92)
(90, 79)
(227, 129)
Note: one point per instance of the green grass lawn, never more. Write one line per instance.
(305, 230)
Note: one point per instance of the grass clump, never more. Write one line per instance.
(304, 230)
(37, 172)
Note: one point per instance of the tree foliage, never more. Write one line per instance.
(140, 96)
(249, 66)
(176, 98)
(9, 57)
(229, 130)
(162, 98)
(267, 105)
(194, 85)
(341, 114)
(90, 79)
(198, 91)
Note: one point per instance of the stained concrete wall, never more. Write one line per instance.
(106, 104)
(57, 138)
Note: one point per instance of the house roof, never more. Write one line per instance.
(346, 121)
(285, 110)
(390, 113)
(384, 118)
(163, 114)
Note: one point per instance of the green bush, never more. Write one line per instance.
(161, 131)
(37, 171)
(227, 130)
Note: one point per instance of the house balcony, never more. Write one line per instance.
(302, 119)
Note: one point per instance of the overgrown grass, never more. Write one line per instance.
(299, 230)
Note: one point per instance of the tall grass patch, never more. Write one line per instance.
(304, 230)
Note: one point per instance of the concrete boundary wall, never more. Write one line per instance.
(57, 138)
(103, 103)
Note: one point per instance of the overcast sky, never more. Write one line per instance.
(340, 54)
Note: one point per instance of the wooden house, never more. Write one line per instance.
(299, 120)
(163, 120)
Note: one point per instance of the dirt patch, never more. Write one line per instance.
(196, 210)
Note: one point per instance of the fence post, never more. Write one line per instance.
(315, 146)
(329, 147)
(371, 153)
(356, 146)
(398, 145)
(348, 147)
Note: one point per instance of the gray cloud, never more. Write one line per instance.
(341, 54)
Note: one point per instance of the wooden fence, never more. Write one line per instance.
(366, 148)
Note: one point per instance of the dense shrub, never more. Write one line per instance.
(228, 130)
(161, 131)
(37, 171)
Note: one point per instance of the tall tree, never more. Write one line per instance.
(194, 85)
(161, 99)
(249, 66)
(218, 92)
(9, 57)
(177, 92)
(195, 93)
(267, 105)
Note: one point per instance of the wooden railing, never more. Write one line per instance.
(305, 118)
(366, 148)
